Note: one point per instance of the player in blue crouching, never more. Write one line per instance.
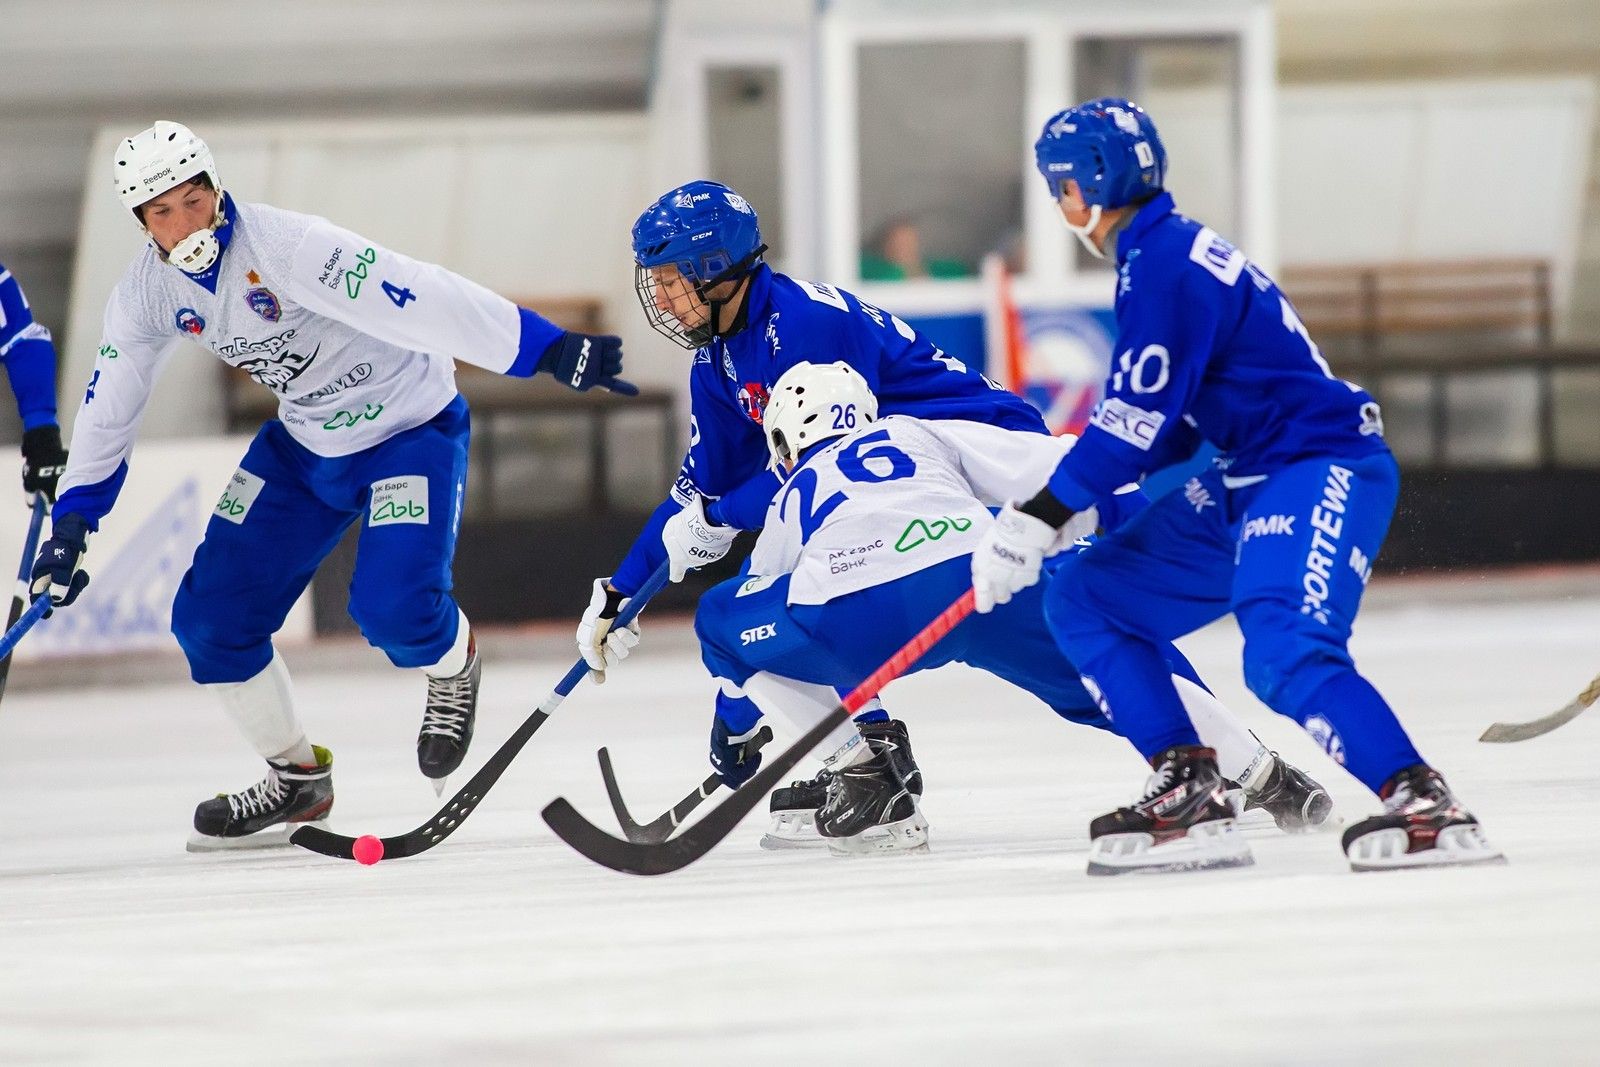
(701, 282)
(30, 359)
(868, 538)
(1282, 532)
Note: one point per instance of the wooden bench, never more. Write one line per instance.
(1371, 306)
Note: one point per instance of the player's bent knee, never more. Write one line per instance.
(712, 628)
(1288, 656)
(1072, 610)
(212, 643)
(392, 617)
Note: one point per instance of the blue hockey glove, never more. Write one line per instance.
(43, 461)
(57, 571)
(728, 758)
(585, 360)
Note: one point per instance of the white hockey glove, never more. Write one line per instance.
(692, 541)
(1009, 555)
(599, 643)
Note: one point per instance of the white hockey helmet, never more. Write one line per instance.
(160, 158)
(814, 402)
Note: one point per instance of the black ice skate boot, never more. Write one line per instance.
(1295, 800)
(794, 813)
(870, 807)
(448, 719)
(1422, 825)
(794, 807)
(1182, 823)
(264, 815)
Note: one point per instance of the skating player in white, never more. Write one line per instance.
(357, 341)
(870, 537)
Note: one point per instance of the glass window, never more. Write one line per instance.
(744, 134)
(1190, 86)
(940, 150)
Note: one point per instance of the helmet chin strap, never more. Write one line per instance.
(1084, 233)
(197, 252)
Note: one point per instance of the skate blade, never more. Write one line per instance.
(1215, 845)
(792, 830)
(1456, 846)
(271, 837)
(439, 784)
(906, 837)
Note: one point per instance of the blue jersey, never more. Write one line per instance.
(788, 321)
(1208, 348)
(29, 355)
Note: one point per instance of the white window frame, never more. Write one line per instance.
(1050, 36)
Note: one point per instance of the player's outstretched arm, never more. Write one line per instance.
(423, 306)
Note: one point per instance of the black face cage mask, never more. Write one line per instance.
(669, 325)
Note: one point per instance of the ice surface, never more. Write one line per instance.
(504, 946)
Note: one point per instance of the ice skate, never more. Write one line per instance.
(264, 815)
(794, 807)
(1182, 823)
(794, 813)
(1422, 825)
(870, 807)
(448, 719)
(1295, 800)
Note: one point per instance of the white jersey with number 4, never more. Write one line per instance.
(355, 340)
(896, 497)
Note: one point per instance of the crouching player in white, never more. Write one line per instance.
(357, 342)
(868, 539)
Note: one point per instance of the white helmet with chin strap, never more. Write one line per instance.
(815, 402)
(160, 158)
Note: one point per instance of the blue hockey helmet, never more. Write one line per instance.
(1109, 146)
(710, 234)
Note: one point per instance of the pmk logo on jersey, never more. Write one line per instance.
(264, 303)
(753, 398)
(189, 321)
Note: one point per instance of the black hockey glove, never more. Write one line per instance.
(728, 757)
(57, 571)
(585, 360)
(43, 461)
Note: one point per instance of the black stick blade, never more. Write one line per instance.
(674, 854)
(445, 820)
(660, 828)
(630, 829)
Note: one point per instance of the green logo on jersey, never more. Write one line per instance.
(398, 511)
(358, 273)
(343, 420)
(919, 531)
(109, 351)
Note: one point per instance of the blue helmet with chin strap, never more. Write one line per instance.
(1109, 146)
(711, 235)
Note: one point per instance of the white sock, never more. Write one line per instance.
(801, 705)
(454, 661)
(1240, 753)
(262, 708)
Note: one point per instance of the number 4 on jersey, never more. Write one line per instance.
(400, 296)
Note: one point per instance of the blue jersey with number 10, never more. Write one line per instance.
(1208, 348)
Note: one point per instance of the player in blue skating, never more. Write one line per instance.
(1282, 532)
(358, 342)
(30, 360)
(701, 282)
(870, 537)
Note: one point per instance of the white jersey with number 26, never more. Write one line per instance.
(895, 497)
